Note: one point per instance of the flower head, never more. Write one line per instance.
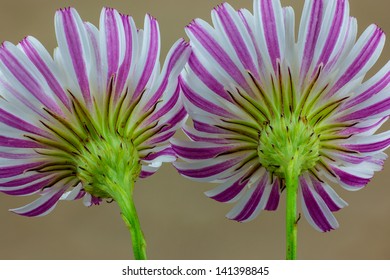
(98, 114)
(264, 105)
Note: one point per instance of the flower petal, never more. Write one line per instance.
(315, 209)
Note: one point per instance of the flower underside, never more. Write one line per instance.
(284, 126)
(265, 102)
(95, 149)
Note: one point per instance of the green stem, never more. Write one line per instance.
(130, 217)
(291, 177)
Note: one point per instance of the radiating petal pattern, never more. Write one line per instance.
(252, 89)
(103, 85)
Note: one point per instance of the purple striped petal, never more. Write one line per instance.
(376, 143)
(252, 204)
(203, 103)
(198, 136)
(167, 107)
(364, 129)
(373, 87)
(15, 122)
(274, 197)
(16, 69)
(22, 181)
(206, 77)
(149, 55)
(110, 25)
(123, 72)
(270, 18)
(254, 200)
(206, 170)
(373, 111)
(163, 153)
(17, 143)
(365, 56)
(17, 155)
(350, 179)
(198, 151)
(160, 138)
(228, 191)
(175, 61)
(43, 205)
(44, 63)
(315, 209)
(235, 33)
(28, 189)
(312, 29)
(10, 171)
(197, 32)
(332, 200)
(73, 44)
(333, 34)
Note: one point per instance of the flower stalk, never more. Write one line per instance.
(130, 217)
(291, 180)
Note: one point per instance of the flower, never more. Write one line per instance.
(266, 107)
(98, 115)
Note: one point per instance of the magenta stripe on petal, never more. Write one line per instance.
(17, 143)
(197, 153)
(218, 53)
(170, 73)
(16, 155)
(208, 79)
(44, 207)
(369, 147)
(231, 192)
(253, 202)
(29, 189)
(10, 171)
(360, 61)
(312, 36)
(203, 103)
(333, 33)
(161, 138)
(175, 120)
(23, 181)
(51, 80)
(314, 208)
(235, 38)
(145, 174)
(76, 52)
(274, 197)
(204, 127)
(124, 68)
(210, 170)
(358, 130)
(369, 111)
(15, 122)
(270, 31)
(196, 137)
(172, 101)
(324, 195)
(112, 41)
(166, 152)
(16, 68)
(373, 90)
(350, 179)
(152, 57)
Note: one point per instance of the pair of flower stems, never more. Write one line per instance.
(269, 113)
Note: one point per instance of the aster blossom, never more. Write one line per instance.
(272, 113)
(90, 121)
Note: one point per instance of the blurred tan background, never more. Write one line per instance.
(180, 222)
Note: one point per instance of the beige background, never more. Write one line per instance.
(178, 220)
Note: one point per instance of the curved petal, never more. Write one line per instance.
(315, 209)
